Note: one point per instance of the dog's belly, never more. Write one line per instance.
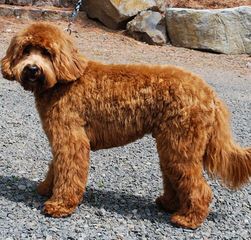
(113, 140)
(117, 130)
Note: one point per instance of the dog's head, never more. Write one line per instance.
(40, 56)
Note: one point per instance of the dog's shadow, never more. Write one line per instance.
(23, 190)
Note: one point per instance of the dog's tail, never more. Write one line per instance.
(223, 157)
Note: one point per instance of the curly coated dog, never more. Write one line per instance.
(86, 105)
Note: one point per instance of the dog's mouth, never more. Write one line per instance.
(31, 77)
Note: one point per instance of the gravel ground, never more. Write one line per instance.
(123, 182)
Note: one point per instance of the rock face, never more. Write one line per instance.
(46, 3)
(38, 3)
(20, 2)
(148, 26)
(116, 13)
(44, 13)
(223, 30)
(162, 5)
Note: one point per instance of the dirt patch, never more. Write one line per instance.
(207, 3)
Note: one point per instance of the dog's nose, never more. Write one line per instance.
(32, 69)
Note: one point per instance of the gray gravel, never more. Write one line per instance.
(123, 182)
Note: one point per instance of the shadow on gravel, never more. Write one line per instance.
(20, 189)
(23, 190)
(128, 205)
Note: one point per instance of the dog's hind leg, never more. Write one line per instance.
(44, 188)
(169, 200)
(181, 152)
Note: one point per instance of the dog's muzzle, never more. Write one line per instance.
(32, 74)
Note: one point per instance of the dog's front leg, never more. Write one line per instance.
(70, 148)
(44, 188)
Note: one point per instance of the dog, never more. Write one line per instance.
(86, 105)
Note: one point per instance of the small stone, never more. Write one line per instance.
(48, 237)
(244, 234)
(249, 200)
(21, 187)
(101, 212)
(134, 211)
(246, 221)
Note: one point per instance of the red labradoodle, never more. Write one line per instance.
(86, 105)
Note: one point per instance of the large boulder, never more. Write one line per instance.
(116, 13)
(222, 30)
(149, 27)
(161, 5)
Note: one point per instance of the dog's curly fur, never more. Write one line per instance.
(86, 105)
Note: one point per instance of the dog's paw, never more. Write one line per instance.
(58, 208)
(44, 189)
(186, 221)
(167, 204)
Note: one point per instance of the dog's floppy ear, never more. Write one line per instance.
(7, 61)
(69, 65)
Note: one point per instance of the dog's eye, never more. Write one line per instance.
(27, 50)
(45, 53)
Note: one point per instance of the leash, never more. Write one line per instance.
(73, 15)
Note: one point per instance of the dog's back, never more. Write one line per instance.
(122, 103)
